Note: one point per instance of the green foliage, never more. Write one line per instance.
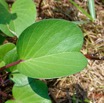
(5, 48)
(91, 6)
(91, 9)
(10, 57)
(22, 15)
(2, 38)
(33, 91)
(20, 79)
(50, 48)
(46, 49)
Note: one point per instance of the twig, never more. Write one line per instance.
(91, 57)
(10, 65)
(39, 7)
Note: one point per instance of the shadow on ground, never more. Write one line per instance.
(70, 94)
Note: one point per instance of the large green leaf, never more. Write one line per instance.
(10, 57)
(51, 48)
(35, 92)
(23, 14)
(5, 48)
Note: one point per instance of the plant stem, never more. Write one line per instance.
(92, 57)
(40, 9)
(10, 65)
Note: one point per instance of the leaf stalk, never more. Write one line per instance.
(10, 65)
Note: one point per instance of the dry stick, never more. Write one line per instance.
(40, 9)
(10, 65)
(91, 57)
(3, 75)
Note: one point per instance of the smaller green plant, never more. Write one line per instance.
(44, 50)
(91, 7)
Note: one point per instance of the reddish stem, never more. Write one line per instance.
(91, 57)
(10, 65)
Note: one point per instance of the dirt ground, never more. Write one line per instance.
(88, 85)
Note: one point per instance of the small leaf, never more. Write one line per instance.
(20, 79)
(5, 18)
(5, 48)
(23, 14)
(35, 92)
(10, 57)
(26, 14)
(51, 49)
(91, 6)
(81, 9)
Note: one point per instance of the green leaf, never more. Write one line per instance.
(81, 9)
(35, 92)
(2, 63)
(5, 18)
(26, 14)
(23, 14)
(2, 38)
(52, 66)
(4, 4)
(51, 49)
(91, 6)
(10, 57)
(20, 79)
(5, 48)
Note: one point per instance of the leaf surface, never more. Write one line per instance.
(51, 49)
(5, 18)
(4, 4)
(5, 48)
(91, 6)
(23, 14)
(2, 38)
(2, 63)
(35, 92)
(20, 79)
(10, 57)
